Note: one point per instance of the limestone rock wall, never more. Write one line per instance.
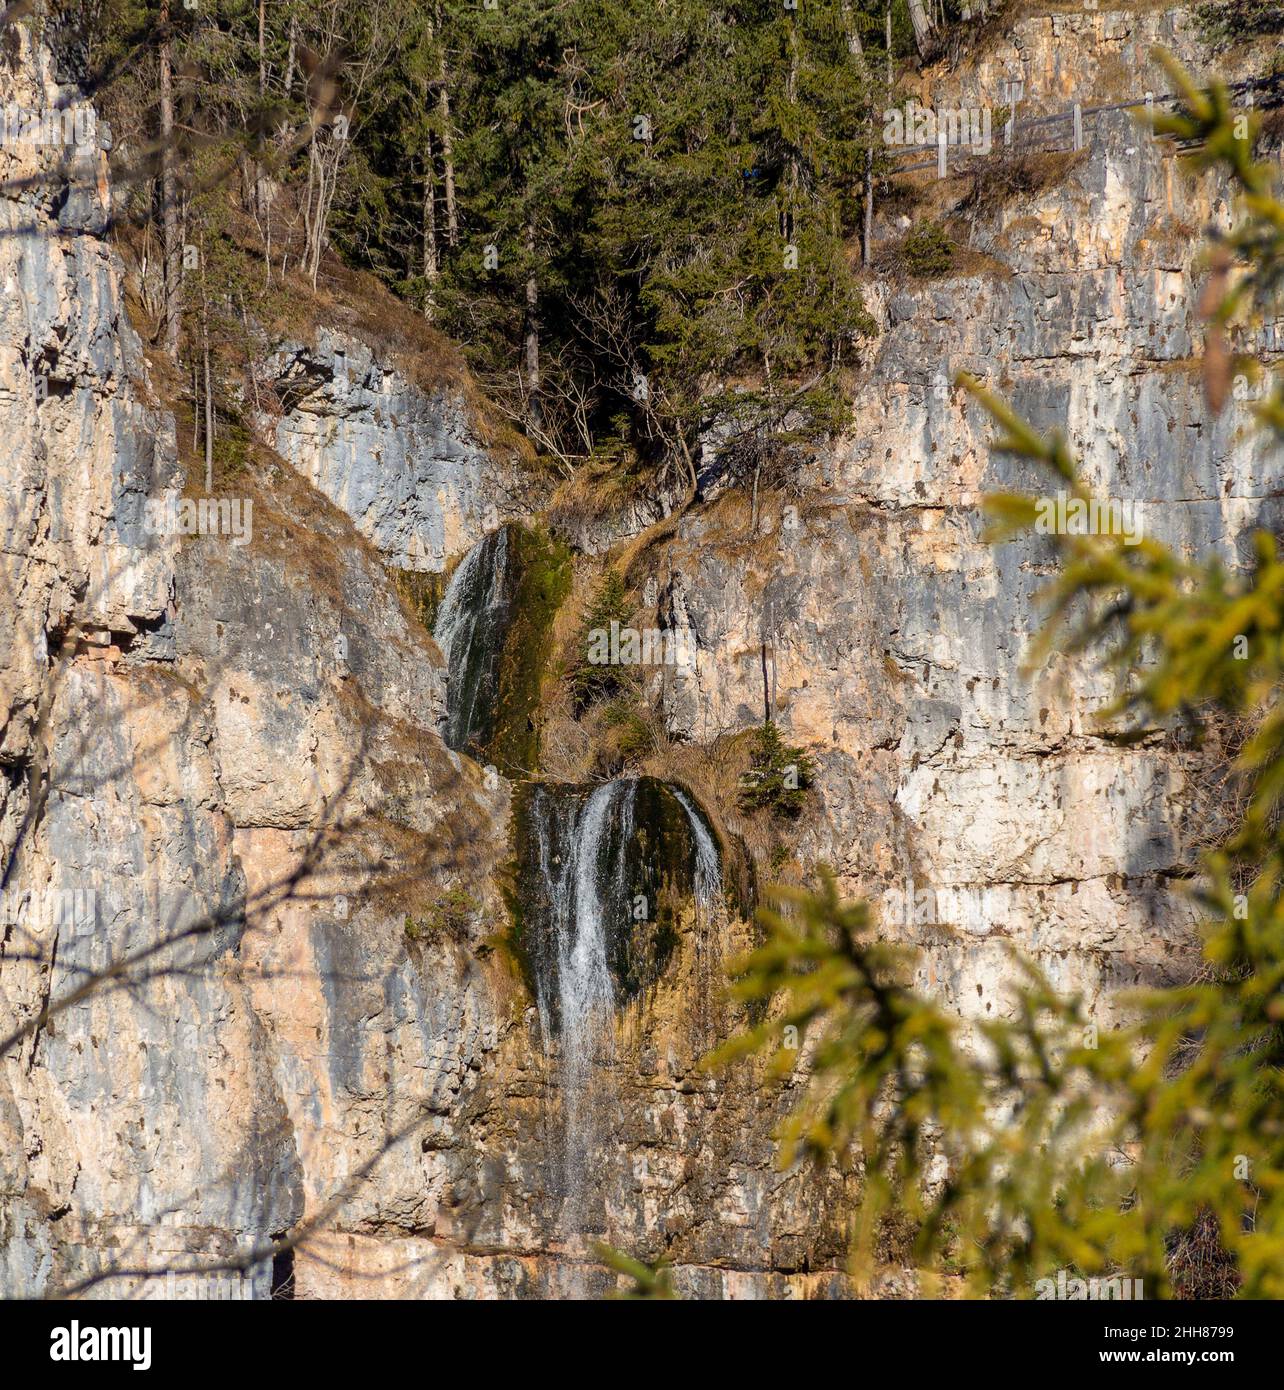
(405, 463)
(245, 736)
(896, 635)
(221, 763)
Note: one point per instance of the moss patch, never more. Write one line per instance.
(543, 568)
(512, 942)
(450, 914)
(420, 592)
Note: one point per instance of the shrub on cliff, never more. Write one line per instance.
(1227, 21)
(778, 775)
(591, 680)
(450, 913)
(927, 251)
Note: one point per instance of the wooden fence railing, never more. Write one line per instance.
(1064, 131)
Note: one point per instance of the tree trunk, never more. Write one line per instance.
(431, 268)
(858, 54)
(448, 167)
(531, 331)
(256, 197)
(853, 38)
(447, 140)
(869, 206)
(922, 28)
(323, 177)
(292, 56)
(169, 192)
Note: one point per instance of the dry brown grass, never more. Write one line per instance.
(598, 491)
(1198, 1263)
(1271, 132)
(1003, 176)
(569, 747)
(1219, 792)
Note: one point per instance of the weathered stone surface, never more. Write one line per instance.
(221, 705)
(406, 464)
(895, 635)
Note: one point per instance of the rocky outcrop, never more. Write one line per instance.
(188, 721)
(405, 463)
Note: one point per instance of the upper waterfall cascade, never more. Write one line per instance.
(470, 629)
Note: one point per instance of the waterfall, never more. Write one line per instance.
(708, 871)
(605, 871)
(586, 994)
(470, 628)
(583, 870)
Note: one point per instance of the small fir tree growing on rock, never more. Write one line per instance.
(592, 681)
(778, 776)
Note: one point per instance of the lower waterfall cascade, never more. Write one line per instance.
(605, 872)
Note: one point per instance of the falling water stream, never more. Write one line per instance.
(470, 626)
(708, 870)
(607, 864)
(603, 872)
(584, 882)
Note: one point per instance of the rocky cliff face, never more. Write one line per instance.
(232, 744)
(895, 635)
(406, 464)
(185, 716)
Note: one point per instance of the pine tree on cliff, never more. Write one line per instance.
(666, 194)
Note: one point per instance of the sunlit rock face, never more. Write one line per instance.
(404, 461)
(181, 714)
(218, 705)
(895, 635)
